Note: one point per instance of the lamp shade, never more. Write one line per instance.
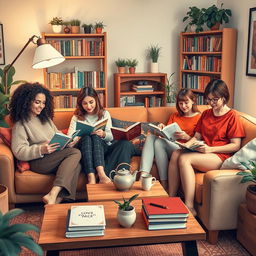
(46, 56)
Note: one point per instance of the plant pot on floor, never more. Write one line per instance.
(4, 208)
(251, 198)
(126, 218)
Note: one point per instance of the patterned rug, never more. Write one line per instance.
(226, 246)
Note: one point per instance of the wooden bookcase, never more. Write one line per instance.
(124, 89)
(85, 65)
(208, 55)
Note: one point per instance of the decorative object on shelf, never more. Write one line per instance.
(121, 64)
(67, 28)
(171, 91)
(4, 203)
(87, 28)
(13, 236)
(98, 27)
(132, 63)
(75, 26)
(154, 53)
(126, 214)
(56, 23)
(250, 176)
(251, 48)
(213, 16)
(2, 55)
(195, 18)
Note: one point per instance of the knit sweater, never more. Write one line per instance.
(27, 138)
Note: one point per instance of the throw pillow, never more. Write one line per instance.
(6, 136)
(246, 153)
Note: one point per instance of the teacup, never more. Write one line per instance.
(147, 181)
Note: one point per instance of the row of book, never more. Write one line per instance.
(202, 44)
(143, 88)
(149, 101)
(193, 81)
(79, 47)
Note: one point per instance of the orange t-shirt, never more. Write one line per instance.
(218, 130)
(186, 123)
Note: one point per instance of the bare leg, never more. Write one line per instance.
(91, 178)
(51, 197)
(164, 184)
(102, 175)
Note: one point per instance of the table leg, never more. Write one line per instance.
(189, 248)
(52, 253)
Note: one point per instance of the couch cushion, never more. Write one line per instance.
(199, 187)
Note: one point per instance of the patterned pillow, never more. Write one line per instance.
(139, 141)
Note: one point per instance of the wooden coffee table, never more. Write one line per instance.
(52, 235)
(106, 192)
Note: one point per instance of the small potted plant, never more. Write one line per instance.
(87, 28)
(171, 91)
(250, 176)
(13, 237)
(131, 63)
(154, 53)
(121, 64)
(75, 26)
(98, 27)
(56, 23)
(195, 18)
(126, 214)
(66, 28)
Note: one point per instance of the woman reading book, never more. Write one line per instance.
(31, 111)
(186, 117)
(99, 155)
(221, 130)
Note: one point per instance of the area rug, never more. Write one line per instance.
(226, 246)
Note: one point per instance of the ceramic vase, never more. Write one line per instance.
(4, 207)
(154, 67)
(132, 70)
(56, 28)
(75, 29)
(98, 30)
(126, 218)
(121, 70)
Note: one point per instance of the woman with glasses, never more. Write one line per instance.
(221, 130)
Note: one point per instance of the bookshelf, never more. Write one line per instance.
(208, 55)
(85, 65)
(126, 95)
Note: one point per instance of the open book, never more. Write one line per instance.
(62, 139)
(86, 129)
(191, 147)
(126, 134)
(167, 132)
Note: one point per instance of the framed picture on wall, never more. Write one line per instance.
(251, 48)
(2, 57)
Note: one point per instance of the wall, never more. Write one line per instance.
(132, 26)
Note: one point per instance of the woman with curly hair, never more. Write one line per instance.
(31, 111)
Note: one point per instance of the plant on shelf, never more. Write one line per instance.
(121, 64)
(75, 26)
(195, 18)
(154, 53)
(87, 28)
(13, 236)
(56, 23)
(214, 16)
(132, 63)
(99, 26)
(171, 90)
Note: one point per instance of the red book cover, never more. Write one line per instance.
(126, 134)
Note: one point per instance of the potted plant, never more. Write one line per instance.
(154, 53)
(56, 23)
(13, 237)
(131, 63)
(250, 176)
(75, 26)
(171, 91)
(121, 64)
(67, 28)
(195, 18)
(87, 28)
(126, 214)
(99, 26)
(214, 16)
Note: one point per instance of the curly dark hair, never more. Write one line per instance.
(21, 100)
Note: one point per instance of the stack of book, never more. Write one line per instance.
(85, 220)
(143, 88)
(164, 213)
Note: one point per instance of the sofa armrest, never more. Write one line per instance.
(222, 194)
(7, 169)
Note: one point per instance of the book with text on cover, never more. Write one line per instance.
(175, 208)
(86, 129)
(167, 132)
(193, 147)
(126, 134)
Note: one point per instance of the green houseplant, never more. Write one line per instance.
(56, 23)
(132, 63)
(195, 19)
(75, 26)
(99, 26)
(171, 90)
(87, 28)
(121, 64)
(154, 53)
(13, 236)
(214, 16)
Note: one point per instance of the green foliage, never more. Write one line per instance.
(154, 52)
(195, 17)
(132, 63)
(248, 176)
(13, 237)
(66, 23)
(87, 25)
(99, 24)
(171, 89)
(56, 21)
(213, 15)
(125, 206)
(75, 22)
(121, 62)
(6, 82)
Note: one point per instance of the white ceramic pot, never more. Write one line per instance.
(56, 28)
(154, 67)
(126, 218)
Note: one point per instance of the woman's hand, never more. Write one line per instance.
(47, 148)
(161, 126)
(182, 135)
(100, 133)
(204, 149)
(73, 142)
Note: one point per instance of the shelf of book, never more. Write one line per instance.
(208, 55)
(85, 66)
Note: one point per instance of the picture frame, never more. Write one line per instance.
(251, 48)
(2, 54)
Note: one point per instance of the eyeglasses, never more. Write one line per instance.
(213, 100)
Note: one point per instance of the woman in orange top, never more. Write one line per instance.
(186, 117)
(221, 130)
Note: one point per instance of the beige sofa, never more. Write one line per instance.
(218, 192)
